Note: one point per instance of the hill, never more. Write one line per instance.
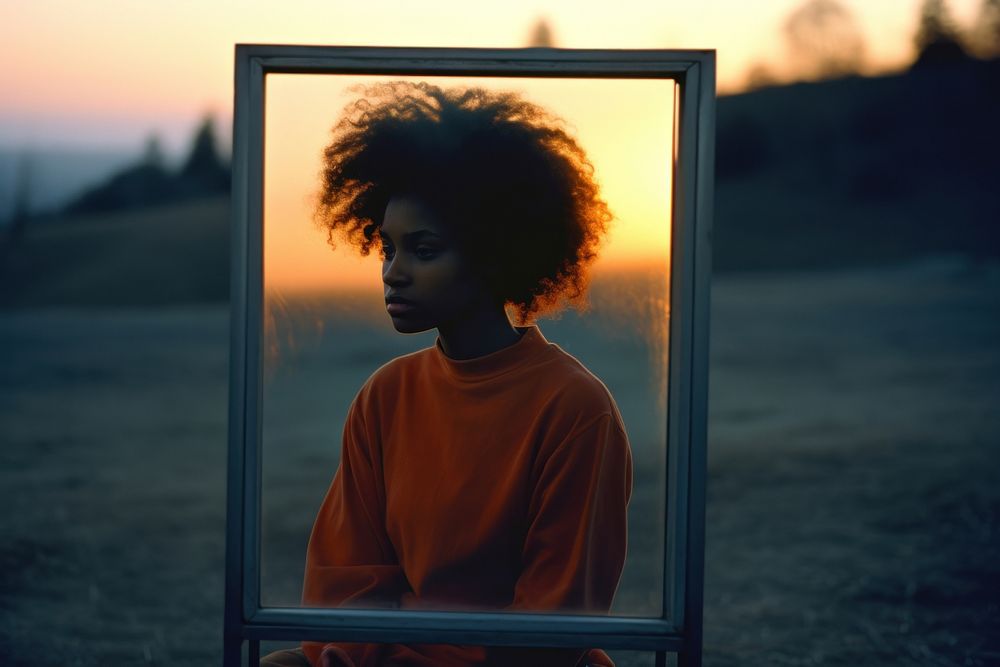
(860, 171)
(171, 254)
(852, 172)
(57, 176)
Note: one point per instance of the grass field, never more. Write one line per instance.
(853, 507)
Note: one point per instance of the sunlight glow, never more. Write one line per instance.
(625, 126)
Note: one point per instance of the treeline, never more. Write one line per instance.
(823, 40)
(860, 171)
(150, 182)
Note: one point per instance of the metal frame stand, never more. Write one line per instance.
(679, 628)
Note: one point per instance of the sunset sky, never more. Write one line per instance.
(624, 126)
(106, 73)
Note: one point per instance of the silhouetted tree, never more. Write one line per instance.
(12, 232)
(541, 35)
(153, 153)
(148, 182)
(824, 40)
(22, 200)
(936, 24)
(937, 39)
(986, 34)
(203, 165)
(760, 76)
(139, 185)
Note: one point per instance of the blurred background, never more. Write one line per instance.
(853, 498)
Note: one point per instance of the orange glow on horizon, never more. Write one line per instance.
(127, 58)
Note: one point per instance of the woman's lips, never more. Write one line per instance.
(396, 308)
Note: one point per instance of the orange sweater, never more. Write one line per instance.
(499, 483)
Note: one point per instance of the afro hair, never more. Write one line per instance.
(503, 174)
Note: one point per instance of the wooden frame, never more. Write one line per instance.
(679, 628)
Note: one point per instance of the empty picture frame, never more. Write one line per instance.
(674, 625)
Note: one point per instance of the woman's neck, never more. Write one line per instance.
(478, 334)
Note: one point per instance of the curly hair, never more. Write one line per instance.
(503, 175)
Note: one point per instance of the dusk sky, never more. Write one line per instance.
(625, 127)
(107, 73)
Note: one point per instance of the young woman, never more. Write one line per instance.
(492, 470)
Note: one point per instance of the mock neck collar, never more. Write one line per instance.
(531, 343)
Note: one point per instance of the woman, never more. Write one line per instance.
(491, 470)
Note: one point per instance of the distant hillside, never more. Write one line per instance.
(149, 182)
(56, 176)
(834, 174)
(860, 171)
(153, 256)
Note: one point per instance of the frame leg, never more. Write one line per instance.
(689, 658)
(232, 651)
(661, 659)
(254, 659)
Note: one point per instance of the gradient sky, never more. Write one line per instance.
(105, 73)
(625, 127)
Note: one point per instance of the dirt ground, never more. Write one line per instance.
(853, 499)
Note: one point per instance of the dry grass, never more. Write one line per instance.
(853, 496)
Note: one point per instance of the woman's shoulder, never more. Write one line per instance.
(572, 387)
(578, 415)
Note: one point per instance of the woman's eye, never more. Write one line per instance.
(425, 253)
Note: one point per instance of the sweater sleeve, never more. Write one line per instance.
(350, 560)
(575, 546)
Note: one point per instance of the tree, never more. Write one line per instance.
(936, 25)
(203, 171)
(541, 35)
(987, 31)
(760, 76)
(148, 182)
(152, 154)
(824, 40)
(22, 199)
(937, 40)
(203, 156)
(12, 232)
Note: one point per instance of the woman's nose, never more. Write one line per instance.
(394, 273)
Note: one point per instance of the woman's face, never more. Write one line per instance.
(428, 282)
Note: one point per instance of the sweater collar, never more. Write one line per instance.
(531, 343)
